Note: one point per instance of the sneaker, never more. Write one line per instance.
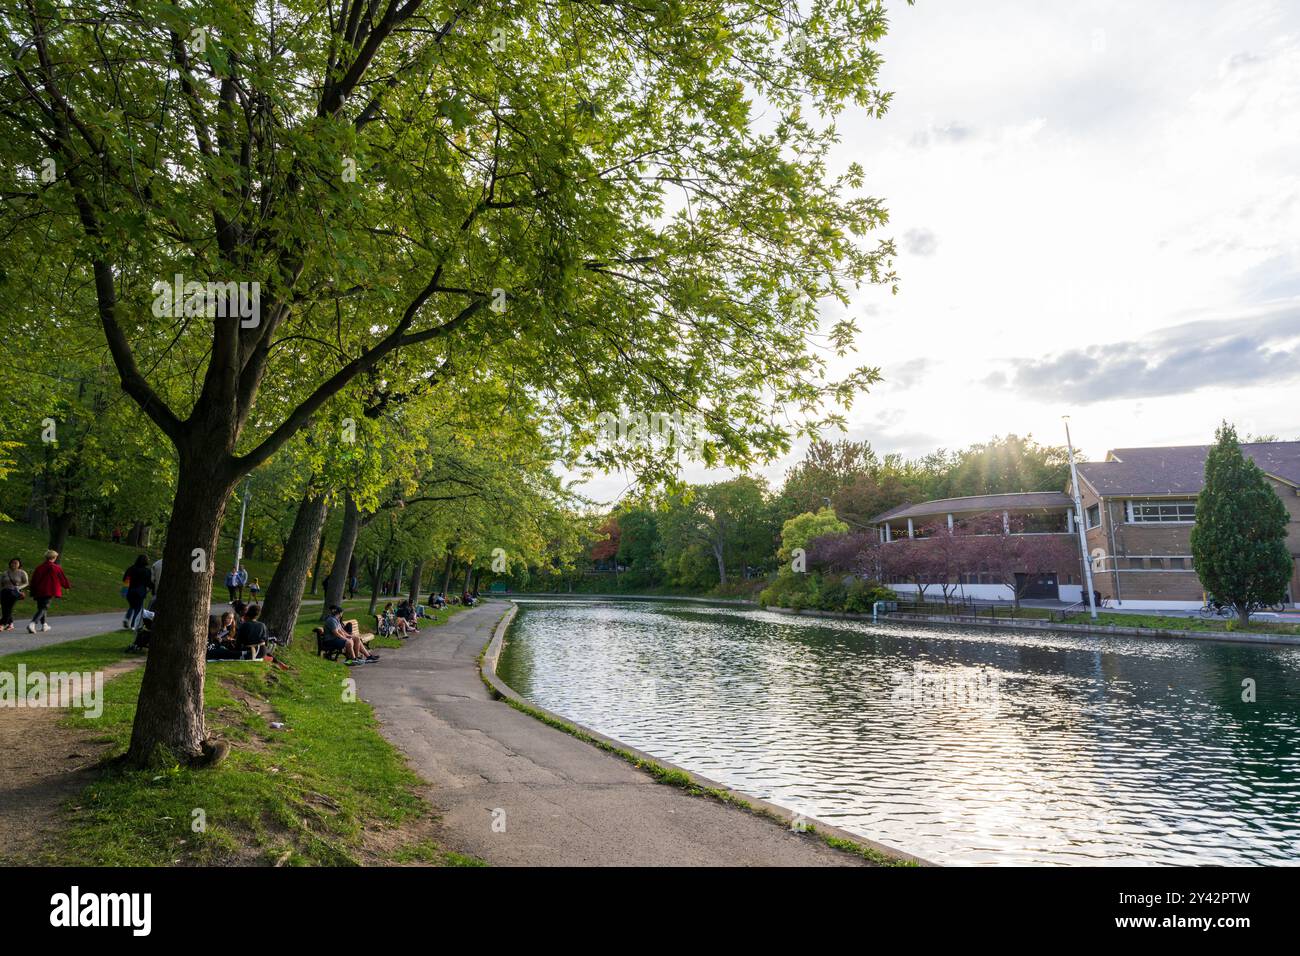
(371, 657)
(31, 627)
(353, 661)
(45, 627)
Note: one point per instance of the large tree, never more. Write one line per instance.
(1239, 539)
(620, 202)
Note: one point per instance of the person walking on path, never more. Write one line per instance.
(232, 584)
(139, 582)
(12, 584)
(48, 583)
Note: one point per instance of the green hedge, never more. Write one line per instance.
(824, 593)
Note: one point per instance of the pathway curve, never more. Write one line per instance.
(554, 800)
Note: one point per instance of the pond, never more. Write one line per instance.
(963, 746)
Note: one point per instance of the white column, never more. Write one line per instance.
(910, 533)
(1069, 521)
(950, 521)
(889, 534)
(1006, 522)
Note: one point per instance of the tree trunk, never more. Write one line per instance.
(417, 572)
(1243, 615)
(60, 526)
(375, 584)
(722, 564)
(169, 722)
(37, 515)
(284, 593)
(446, 574)
(338, 579)
(136, 535)
(468, 568)
(320, 553)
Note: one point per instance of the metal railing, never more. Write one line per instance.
(967, 607)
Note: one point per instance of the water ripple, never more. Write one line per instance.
(984, 747)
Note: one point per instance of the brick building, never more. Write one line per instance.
(1139, 508)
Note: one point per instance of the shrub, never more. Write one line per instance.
(842, 593)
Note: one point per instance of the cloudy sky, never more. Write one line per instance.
(1097, 208)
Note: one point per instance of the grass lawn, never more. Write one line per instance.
(1107, 618)
(1186, 623)
(95, 568)
(326, 789)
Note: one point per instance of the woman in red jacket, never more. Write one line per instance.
(48, 582)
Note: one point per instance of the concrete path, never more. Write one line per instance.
(554, 800)
(70, 627)
(62, 628)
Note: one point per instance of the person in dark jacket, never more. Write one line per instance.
(138, 580)
(251, 634)
(48, 583)
(12, 585)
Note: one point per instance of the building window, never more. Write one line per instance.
(1093, 516)
(1162, 512)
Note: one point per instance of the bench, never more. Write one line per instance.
(352, 626)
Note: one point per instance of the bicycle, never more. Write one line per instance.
(1213, 608)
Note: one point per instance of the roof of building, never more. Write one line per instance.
(1180, 469)
(1018, 501)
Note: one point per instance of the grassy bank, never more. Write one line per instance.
(1111, 618)
(1167, 623)
(325, 789)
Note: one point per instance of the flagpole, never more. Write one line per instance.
(1079, 522)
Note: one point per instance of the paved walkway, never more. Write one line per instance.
(62, 628)
(70, 627)
(555, 800)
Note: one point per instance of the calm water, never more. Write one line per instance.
(980, 748)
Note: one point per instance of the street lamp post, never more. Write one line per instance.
(1079, 521)
(239, 546)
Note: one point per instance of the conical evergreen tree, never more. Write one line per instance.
(1239, 542)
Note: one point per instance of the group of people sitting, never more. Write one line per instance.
(467, 598)
(238, 635)
(401, 620)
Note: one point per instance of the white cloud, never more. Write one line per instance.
(1099, 174)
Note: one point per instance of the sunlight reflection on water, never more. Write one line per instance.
(995, 747)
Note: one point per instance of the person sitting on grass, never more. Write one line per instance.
(221, 637)
(251, 635)
(394, 620)
(338, 639)
(405, 612)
